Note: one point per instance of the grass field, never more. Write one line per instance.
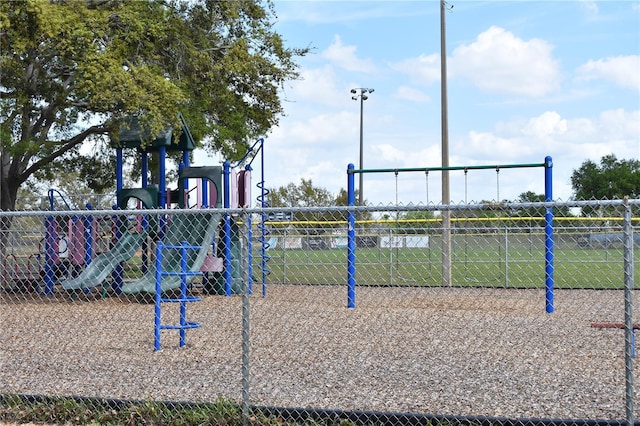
(478, 260)
(473, 267)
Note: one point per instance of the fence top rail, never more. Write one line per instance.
(334, 209)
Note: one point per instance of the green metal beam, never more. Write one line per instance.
(436, 169)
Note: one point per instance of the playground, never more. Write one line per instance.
(344, 316)
(79, 252)
(428, 350)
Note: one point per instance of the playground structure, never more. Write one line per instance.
(83, 251)
(446, 249)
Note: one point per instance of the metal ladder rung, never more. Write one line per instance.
(181, 274)
(180, 326)
(182, 299)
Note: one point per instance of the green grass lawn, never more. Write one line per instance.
(475, 267)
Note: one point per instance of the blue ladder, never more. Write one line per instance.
(183, 299)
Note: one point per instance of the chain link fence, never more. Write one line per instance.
(251, 307)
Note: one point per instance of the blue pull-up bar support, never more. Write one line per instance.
(548, 235)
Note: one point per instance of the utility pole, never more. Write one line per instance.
(446, 197)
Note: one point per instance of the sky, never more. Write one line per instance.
(525, 80)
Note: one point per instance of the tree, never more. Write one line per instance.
(73, 70)
(307, 195)
(532, 197)
(416, 221)
(611, 179)
(302, 195)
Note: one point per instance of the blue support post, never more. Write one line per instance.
(263, 228)
(162, 189)
(183, 293)
(145, 169)
(185, 186)
(145, 219)
(162, 179)
(249, 246)
(87, 224)
(351, 239)
(185, 158)
(119, 169)
(205, 192)
(49, 255)
(145, 245)
(548, 233)
(185, 163)
(226, 171)
(118, 271)
(88, 236)
(157, 298)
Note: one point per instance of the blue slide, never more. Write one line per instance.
(101, 267)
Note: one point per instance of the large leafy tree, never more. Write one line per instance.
(611, 179)
(72, 70)
(304, 194)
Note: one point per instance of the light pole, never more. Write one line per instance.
(362, 95)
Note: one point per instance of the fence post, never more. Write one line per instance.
(246, 289)
(50, 253)
(226, 226)
(506, 256)
(284, 256)
(629, 340)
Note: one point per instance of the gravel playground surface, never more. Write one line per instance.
(457, 351)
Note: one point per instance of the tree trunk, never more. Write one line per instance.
(8, 196)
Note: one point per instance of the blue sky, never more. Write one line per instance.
(525, 80)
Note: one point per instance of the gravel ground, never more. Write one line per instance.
(428, 350)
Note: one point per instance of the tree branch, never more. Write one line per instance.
(8, 94)
(66, 146)
(12, 116)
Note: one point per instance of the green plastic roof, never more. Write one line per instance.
(132, 136)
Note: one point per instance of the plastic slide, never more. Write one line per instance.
(101, 267)
(195, 230)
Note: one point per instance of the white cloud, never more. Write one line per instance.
(390, 153)
(570, 141)
(317, 86)
(425, 69)
(623, 71)
(498, 61)
(411, 94)
(589, 7)
(547, 124)
(489, 147)
(327, 129)
(344, 56)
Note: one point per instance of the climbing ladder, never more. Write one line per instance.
(183, 297)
